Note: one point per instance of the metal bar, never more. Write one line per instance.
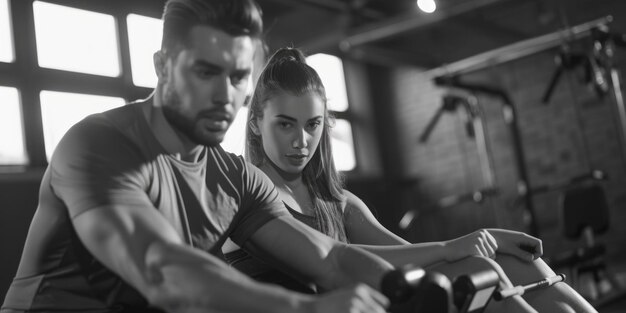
(482, 145)
(621, 110)
(518, 50)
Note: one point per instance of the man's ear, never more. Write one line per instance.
(160, 61)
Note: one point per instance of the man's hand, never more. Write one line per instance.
(479, 243)
(358, 299)
(518, 244)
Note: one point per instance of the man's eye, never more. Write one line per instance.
(239, 79)
(205, 73)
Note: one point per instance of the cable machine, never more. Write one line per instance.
(601, 72)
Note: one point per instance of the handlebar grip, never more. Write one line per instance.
(503, 294)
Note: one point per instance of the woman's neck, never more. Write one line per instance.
(280, 177)
(291, 188)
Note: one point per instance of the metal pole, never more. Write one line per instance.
(621, 110)
(517, 50)
(482, 144)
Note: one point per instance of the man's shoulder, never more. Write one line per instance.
(235, 167)
(107, 133)
(227, 160)
(120, 117)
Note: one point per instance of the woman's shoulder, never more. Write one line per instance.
(351, 202)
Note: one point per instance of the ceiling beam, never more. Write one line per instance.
(490, 29)
(394, 58)
(390, 27)
(339, 7)
(408, 22)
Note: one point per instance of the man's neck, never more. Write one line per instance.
(173, 141)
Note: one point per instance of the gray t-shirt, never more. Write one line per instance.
(114, 158)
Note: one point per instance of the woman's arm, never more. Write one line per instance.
(364, 230)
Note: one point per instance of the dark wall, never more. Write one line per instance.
(18, 201)
(577, 132)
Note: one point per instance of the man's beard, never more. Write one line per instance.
(185, 125)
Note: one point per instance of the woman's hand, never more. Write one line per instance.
(521, 245)
(479, 243)
(486, 242)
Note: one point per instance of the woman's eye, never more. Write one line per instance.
(284, 124)
(314, 125)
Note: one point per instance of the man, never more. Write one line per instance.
(137, 201)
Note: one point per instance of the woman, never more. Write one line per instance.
(288, 138)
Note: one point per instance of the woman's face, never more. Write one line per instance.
(290, 129)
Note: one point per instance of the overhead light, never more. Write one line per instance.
(427, 6)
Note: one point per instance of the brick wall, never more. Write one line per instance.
(575, 133)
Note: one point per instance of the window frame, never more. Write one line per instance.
(25, 74)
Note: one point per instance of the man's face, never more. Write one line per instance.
(205, 84)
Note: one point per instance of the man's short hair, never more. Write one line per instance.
(235, 17)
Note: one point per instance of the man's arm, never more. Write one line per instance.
(308, 254)
(143, 249)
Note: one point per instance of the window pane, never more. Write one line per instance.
(6, 40)
(330, 69)
(61, 110)
(234, 141)
(76, 40)
(343, 146)
(12, 150)
(144, 36)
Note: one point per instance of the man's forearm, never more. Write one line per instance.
(182, 279)
(422, 254)
(352, 264)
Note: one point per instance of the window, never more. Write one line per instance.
(144, 39)
(234, 141)
(68, 37)
(6, 40)
(84, 38)
(61, 110)
(76, 40)
(343, 146)
(12, 150)
(330, 70)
